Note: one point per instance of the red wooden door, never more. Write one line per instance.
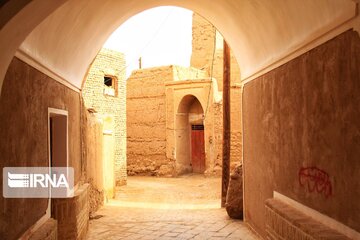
(197, 148)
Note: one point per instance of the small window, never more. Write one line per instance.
(197, 127)
(110, 85)
(109, 81)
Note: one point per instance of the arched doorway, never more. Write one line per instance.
(190, 144)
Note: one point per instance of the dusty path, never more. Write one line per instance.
(186, 192)
(163, 208)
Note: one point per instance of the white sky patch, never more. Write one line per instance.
(161, 36)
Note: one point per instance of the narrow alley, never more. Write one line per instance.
(167, 208)
(140, 119)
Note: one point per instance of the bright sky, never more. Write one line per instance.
(161, 36)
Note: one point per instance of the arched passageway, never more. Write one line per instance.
(300, 114)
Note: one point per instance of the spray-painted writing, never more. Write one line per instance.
(315, 180)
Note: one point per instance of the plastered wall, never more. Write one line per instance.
(26, 96)
(302, 133)
(92, 139)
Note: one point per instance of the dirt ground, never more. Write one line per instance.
(166, 209)
(186, 192)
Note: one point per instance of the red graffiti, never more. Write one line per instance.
(315, 179)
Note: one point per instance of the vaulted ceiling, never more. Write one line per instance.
(65, 36)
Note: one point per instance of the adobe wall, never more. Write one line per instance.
(236, 124)
(203, 43)
(146, 126)
(112, 63)
(153, 99)
(207, 54)
(207, 51)
(305, 114)
(25, 98)
(187, 73)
